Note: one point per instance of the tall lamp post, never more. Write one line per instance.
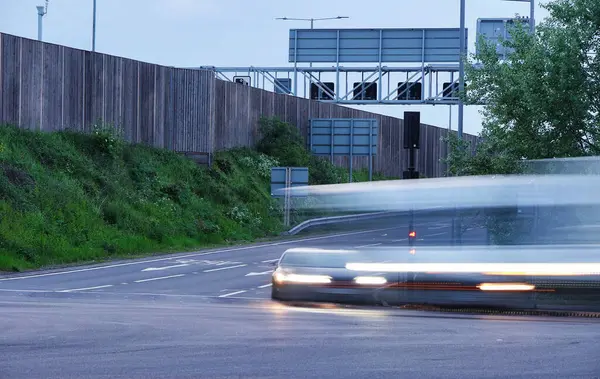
(41, 11)
(312, 21)
(94, 26)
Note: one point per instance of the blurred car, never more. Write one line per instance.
(513, 277)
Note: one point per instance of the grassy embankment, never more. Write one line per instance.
(67, 197)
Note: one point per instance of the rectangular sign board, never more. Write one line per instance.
(279, 179)
(283, 85)
(343, 136)
(496, 29)
(432, 45)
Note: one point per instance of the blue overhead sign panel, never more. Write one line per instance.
(495, 30)
(343, 136)
(433, 45)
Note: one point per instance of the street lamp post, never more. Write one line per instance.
(312, 20)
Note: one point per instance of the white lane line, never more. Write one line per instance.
(400, 240)
(27, 291)
(371, 244)
(233, 293)
(226, 263)
(224, 268)
(165, 267)
(436, 234)
(259, 273)
(270, 260)
(266, 285)
(87, 288)
(241, 248)
(438, 227)
(159, 278)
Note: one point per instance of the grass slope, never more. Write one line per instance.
(67, 197)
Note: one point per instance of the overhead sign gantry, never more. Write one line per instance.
(425, 53)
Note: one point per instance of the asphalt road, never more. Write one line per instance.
(208, 315)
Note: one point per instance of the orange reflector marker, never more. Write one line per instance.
(412, 234)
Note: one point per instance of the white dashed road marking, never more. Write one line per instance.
(159, 278)
(225, 268)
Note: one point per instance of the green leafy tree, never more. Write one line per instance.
(541, 102)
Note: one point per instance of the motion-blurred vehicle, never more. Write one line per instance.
(543, 251)
(513, 277)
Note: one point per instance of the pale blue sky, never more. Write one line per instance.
(187, 33)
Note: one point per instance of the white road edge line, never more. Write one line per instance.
(87, 288)
(270, 260)
(435, 234)
(371, 244)
(233, 293)
(224, 268)
(159, 278)
(266, 285)
(165, 267)
(241, 248)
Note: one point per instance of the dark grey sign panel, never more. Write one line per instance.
(433, 45)
(298, 178)
(495, 30)
(344, 136)
(283, 85)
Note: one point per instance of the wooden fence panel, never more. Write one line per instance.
(52, 87)
(73, 93)
(130, 102)
(10, 79)
(31, 84)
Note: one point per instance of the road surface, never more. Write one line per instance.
(208, 315)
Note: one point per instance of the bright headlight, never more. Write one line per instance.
(280, 277)
(370, 280)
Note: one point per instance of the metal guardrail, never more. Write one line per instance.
(337, 219)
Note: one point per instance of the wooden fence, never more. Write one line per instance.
(50, 87)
